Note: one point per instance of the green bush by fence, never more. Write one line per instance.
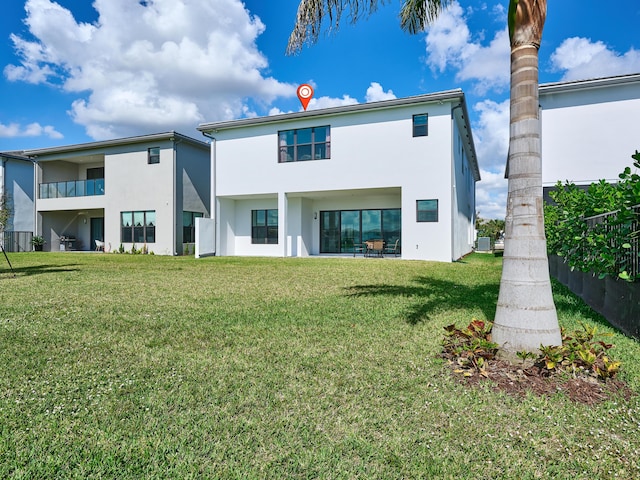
(597, 230)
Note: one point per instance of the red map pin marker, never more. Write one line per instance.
(305, 92)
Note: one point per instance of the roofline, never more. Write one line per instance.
(16, 156)
(456, 94)
(472, 142)
(555, 87)
(114, 143)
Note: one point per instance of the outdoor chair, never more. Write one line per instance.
(395, 249)
(99, 246)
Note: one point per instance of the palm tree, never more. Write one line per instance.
(526, 316)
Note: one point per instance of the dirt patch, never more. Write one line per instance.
(517, 381)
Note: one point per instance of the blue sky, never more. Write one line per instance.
(76, 71)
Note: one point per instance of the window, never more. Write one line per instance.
(342, 230)
(189, 226)
(153, 155)
(421, 125)
(264, 226)
(138, 227)
(427, 210)
(304, 144)
(95, 173)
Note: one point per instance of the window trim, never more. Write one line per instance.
(152, 157)
(282, 147)
(427, 211)
(417, 129)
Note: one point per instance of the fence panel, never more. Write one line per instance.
(17, 241)
(628, 232)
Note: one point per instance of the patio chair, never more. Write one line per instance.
(99, 246)
(395, 249)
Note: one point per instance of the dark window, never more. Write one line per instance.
(95, 173)
(264, 226)
(138, 227)
(421, 125)
(153, 155)
(189, 226)
(312, 143)
(343, 230)
(427, 210)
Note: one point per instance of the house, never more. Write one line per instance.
(589, 129)
(138, 191)
(16, 192)
(324, 181)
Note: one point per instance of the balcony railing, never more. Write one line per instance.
(72, 188)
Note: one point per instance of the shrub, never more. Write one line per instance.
(603, 245)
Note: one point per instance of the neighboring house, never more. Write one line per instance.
(16, 189)
(589, 129)
(323, 181)
(142, 191)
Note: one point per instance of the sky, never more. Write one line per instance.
(76, 71)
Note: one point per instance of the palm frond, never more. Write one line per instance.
(415, 15)
(312, 13)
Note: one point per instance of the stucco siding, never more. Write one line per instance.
(588, 132)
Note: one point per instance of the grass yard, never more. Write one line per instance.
(121, 366)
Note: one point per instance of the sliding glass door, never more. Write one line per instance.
(340, 230)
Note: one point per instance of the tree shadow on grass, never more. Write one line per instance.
(434, 295)
(36, 270)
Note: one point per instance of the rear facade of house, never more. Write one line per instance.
(138, 192)
(323, 181)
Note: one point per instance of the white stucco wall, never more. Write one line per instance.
(132, 184)
(589, 131)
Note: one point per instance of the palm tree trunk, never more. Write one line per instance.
(526, 316)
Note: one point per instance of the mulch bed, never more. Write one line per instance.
(517, 381)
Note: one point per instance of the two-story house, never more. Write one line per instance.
(17, 198)
(324, 181)
(144, 191)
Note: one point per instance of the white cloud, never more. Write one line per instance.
(31, 130)
(580, 58)
(148, 66)
(491, 133)
(491, 195)
(375, 93)
(449, 45)
(328, 102)
(491, 136)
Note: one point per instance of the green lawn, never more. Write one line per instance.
(122, 366)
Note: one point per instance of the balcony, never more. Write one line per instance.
(72, 188)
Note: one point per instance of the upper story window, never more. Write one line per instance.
(94, 173)
(304, 144)
(421, 125)
(153, 155)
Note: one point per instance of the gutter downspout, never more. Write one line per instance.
(175, 188)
